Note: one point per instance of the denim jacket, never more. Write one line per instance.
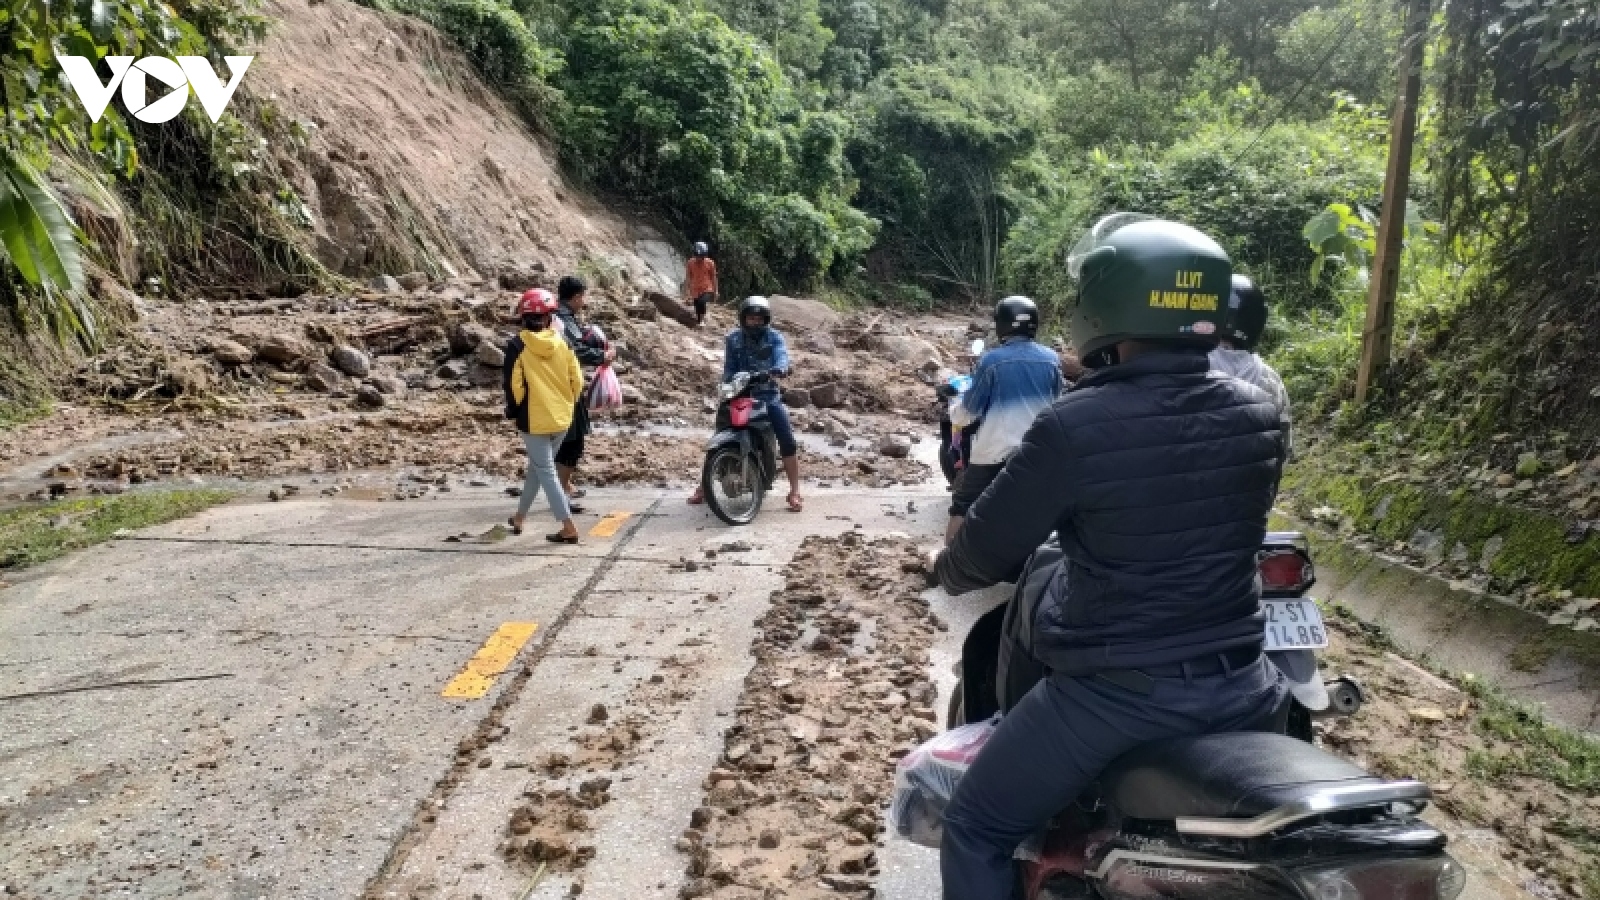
(1013, 383)
(769, 353)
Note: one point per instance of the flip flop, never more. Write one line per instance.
(559, 538)
(696, 500)
(796, 502)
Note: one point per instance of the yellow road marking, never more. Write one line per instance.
(490, 661)
(608, 526)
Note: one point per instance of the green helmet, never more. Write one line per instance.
(1147, 279)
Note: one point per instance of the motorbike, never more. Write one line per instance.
(1242, 815)
(741, 462)
(954, 442)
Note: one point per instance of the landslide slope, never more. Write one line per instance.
(411, 162)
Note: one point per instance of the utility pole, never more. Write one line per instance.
(1378, 335)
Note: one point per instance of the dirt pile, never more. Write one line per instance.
(1490, 764)
(839, 692)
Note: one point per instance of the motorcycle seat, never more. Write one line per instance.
(1224, 776)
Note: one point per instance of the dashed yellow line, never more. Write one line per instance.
(608, 526)
(490, 662)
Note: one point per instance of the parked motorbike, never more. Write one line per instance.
(1244, 815)
(741, 463)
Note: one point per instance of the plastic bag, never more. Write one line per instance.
(925, 780)
(605, 392)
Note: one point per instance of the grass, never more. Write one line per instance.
(1539, 749)
(14, 414)
(36, 534)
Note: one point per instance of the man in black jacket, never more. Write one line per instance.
(572, 293)
(1158, 476)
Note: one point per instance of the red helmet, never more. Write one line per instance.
(537, 302)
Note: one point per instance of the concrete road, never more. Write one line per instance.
(249, 704)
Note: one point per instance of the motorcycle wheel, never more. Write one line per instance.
(731, 483)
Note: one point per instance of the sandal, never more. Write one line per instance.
(559, 538)
(796, 503)
(577, 509)
(515, 528)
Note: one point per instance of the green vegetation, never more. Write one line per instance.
(1534, 747)
(37, 534)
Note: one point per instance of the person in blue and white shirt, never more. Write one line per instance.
(1012, 384)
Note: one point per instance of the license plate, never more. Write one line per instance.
(1294, 625)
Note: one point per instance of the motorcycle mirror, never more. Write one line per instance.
(976, 349)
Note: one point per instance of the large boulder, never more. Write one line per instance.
(797, 398)
(282, 349)
(389, 385)
(895, 446)
(464, 337)
(828, 396)
(489, 354)
(323, 377)
(672, 309)
(350, 361)
(802, 315)
(233, 353)
(904, 348)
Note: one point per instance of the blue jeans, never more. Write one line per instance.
(1057, 740)
(542, 473)
(778, 417)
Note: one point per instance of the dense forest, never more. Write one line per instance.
(922, 152)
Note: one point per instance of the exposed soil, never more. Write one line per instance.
(1483, 759)
(839, 692)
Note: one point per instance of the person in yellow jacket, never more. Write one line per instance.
(542, 383)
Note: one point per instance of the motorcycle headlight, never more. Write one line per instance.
(1425, 878)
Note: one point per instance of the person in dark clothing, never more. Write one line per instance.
(572, 293)
(1157, 474)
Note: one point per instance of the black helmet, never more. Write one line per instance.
(700, 249)
(1147, 279)
(759, 305)
(1247, 314)
(1016, 315)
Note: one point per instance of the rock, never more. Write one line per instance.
(488, 354)
(464, 337)
(598, 714)
(414, 281)
(672, 309)
(820, 343)
(827, 396)
(233, 353)
(1568, 471)
(392, 385)
(770, 839)
(323, 377)
(796, 398)
(1505, 480)
(1430, 714)
(632, 395)
(523, 280)
(643, 312)
(282, 349)
(370, 397)
(454, 370)
(1491, 551)
(802, 315)
(902, 348)
(854, 861)
(385, 284)
(895, 446)
(350, 361)
(848, 884)
(188, 377)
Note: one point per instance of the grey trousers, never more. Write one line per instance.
(1057, 740)
(542, 473)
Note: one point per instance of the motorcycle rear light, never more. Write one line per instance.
(1418, 878)
(1285, 572)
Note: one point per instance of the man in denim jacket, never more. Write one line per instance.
(1012, 383)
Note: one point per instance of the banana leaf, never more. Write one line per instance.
(36, 234)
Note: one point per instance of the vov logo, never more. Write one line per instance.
(182, 75)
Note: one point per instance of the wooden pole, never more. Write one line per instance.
(1378, 335)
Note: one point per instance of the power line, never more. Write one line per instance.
(1333, 47)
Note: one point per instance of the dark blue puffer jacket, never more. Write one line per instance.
(1158, 475)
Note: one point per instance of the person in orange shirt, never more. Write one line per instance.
(700, 280)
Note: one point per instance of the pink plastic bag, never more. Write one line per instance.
(925, 780)
(605, 392)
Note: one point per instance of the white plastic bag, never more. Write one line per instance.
(605, 391)
(925, 780)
